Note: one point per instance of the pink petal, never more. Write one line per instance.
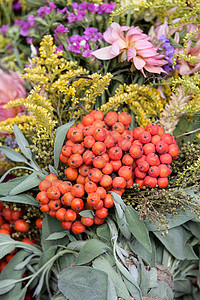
(103, 53)
(110, 35)
(138, 62)
(147, 52)
(131, 53)
(153, 69)
(155, 62)
(115, 49)
(142, 44)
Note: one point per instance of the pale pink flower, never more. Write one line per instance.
(11, 87)
(134, 46)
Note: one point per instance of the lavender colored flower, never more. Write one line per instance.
(75, 6)
(9, 47)
(76, 38)
(60, 48)
(74, 48)
(4, 28)
(169, 52)
(52, 5)
(93, 7)
(24, 27)
(29, 40)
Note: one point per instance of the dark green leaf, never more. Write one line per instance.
(22, 142)
(138, 228)
(57, 235)
(12, 154)
(83, 283)
(30, 182)
(193, 125)
(60, 137)
(87, 213)
(92, 249)
(102, 264)
(21, 198)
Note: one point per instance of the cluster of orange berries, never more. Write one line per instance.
(102, 155)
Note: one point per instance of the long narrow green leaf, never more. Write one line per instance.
(15, 168)
(12, 154)
(22, 142)
(20, 198)
(30, 182)
(60, 137)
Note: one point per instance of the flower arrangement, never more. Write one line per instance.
(99, 150)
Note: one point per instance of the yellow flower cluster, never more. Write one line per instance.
(145, 102)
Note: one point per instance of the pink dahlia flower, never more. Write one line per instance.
(11, 87)
(134, 46)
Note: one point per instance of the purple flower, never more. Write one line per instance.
(31, 20)
(29, 40)
(52, 5)
(74, 48)
(75, 6)
(80, 15)
(83, 5)
(93, 7)
(71, 18)
(4, 28)
(87, 53)
(9, 47)
(45, 10)
(24, 27)
(16, 5)
(60, 48)
(75, 38)
(169, 52)
(62, 11)
(61, 29)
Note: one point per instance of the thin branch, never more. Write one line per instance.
(187, 133)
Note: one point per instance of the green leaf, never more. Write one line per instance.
(92, 249)
(176, 243)
(12, 154)
(141, 251)
(6, 285)
(137, 228)
(111, 293)
(102, 264)
(59, 139)
(118, 199)
(87, 213)
(57, 235)
(6, 187)
(22, 142)
(22, 264)
(20, 198)
(83, 283)
(5, 249)
(15, 168)
(16, 274)
(162, 291)
(103, 233)
(30, 182)
(123, 225)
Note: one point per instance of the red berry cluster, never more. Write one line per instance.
(102, 155)
(153, 151)
(10, 221)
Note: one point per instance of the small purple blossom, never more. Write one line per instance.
(83, 5)
(71, 18)
(61, 29)
(169, 52)
(80, 15)
(45, 10)
(74, 48)
(31, 20)
(62, 11)
(4, 28)
(16, 5)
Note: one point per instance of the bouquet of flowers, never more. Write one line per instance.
(99, 150)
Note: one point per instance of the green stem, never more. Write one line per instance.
(91, 233)
(17, 56)
(48, 263)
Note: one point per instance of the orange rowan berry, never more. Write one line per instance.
(67, 199)
(87, 221)
(143, 166)
(89, 141)
(99, 148)
(100, 134)
(63, 159)
(53, 193)
(107, 169)
(80, 179)
(166, 158)
(89, 130)
(38, 223)
(84, 170)
(64, 186)
(139, 174)
(154, 171)
(88, 157)
(95, 175)
(70, 215)
(150, 182)
(119, 183)
(87, 120)
(155, 139)
(66, 225)
(77, 204)
(152, 128)
(22, 226)
(78, 149)
(105, 181)
(111, 118)
(125, 172)
(119, 127)
(54, 205)
(51, 177)
(93, 199)
(125, 118)
(152, 159)
(108, 201)
(136, 151)
(163, 182)
(71, 173)
(75, 160)
(44, 185)
(77, 227)
(99, 162)
(90, 187)
(109, 141)
(66, 151)
(44, 208)
(101, 192)
(136, 132)
(98, 221)
(149, 148)
(78, 190)
(101, 213)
